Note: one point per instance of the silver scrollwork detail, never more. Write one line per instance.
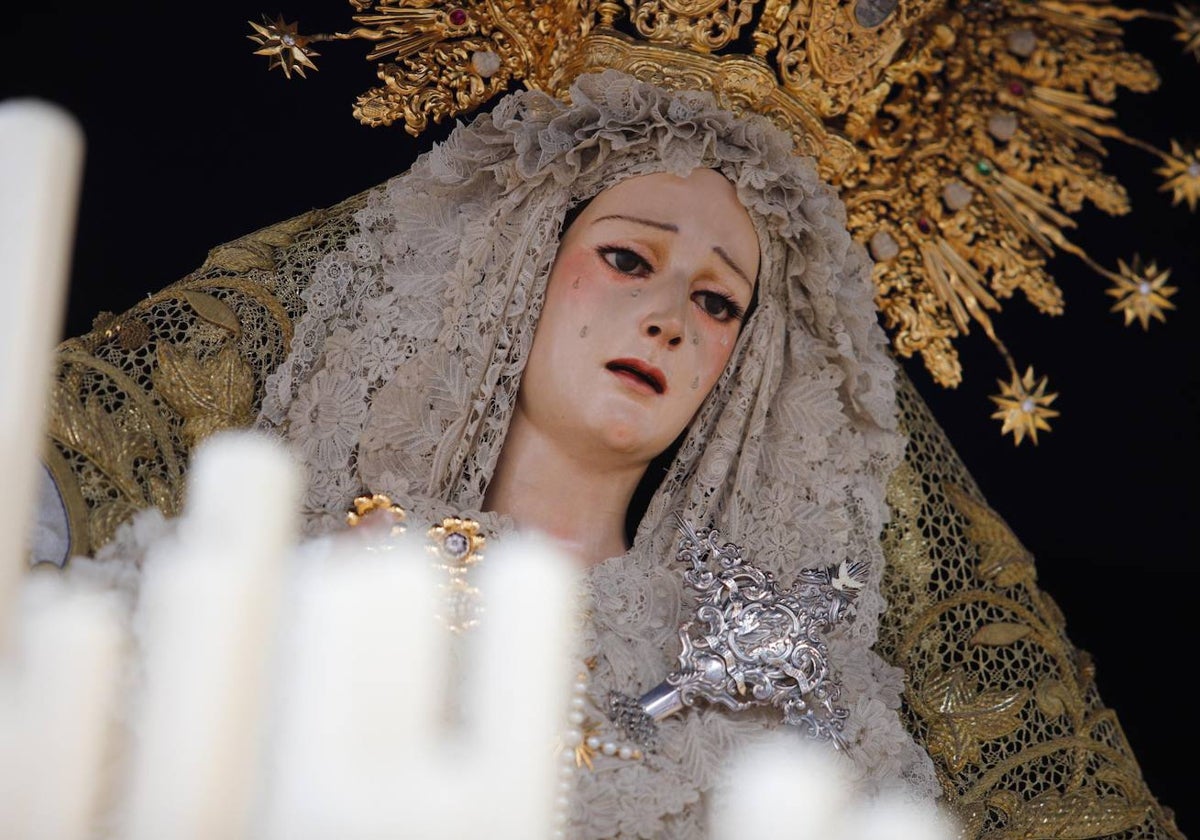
(748, 643)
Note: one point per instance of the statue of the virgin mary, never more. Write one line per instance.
(595, 315)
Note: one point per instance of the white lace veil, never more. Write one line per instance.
(404, 373)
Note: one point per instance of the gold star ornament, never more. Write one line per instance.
(1142, 292)
(1023, 406)
(1182, 173)
(283, 43)
(1188, 21)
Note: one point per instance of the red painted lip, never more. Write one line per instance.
(641, 372)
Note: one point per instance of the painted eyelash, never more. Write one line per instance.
(734, 311)
(605, 250)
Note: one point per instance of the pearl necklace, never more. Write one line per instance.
(580, 745)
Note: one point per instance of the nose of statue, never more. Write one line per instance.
(668, 334)
(664, 323)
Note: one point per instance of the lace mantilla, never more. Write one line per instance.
(405, 369)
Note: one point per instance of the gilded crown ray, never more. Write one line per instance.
(963, 135)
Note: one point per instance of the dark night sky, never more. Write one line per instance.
(191, 142)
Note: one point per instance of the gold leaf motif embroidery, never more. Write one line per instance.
(257, 251)
(106, 518)
(241, 256)
(214, 310)
(211, 394)
(960, 717)
(1002, 558)
(112, 440)
(1055, 699)
(283, 234)
(1074, 815)
(999, 633)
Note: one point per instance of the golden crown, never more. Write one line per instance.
(963, 135)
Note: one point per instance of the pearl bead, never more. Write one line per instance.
(575, 717)
(486, 63)
(581, 687)
(577, 702)
(566, 785)
(609, 748)
(573, 738)
(562, 803)
(625, 753)
(567, 757)
(593, 742)
(883, 246)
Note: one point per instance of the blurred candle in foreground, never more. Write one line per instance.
(41, 161)
(59, 692)
(384, 731)
(207, 621)
(788, 787)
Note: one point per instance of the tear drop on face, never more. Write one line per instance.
(575, 285)
(635, 293)
(583, 331)
(695, 383)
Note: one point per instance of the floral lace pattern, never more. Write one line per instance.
(405, 369)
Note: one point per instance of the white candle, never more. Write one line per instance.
(518, 689)
(59, 705)
(41, 160)
(207, 616)
(357, 746)
(380, 734)
(809, 793)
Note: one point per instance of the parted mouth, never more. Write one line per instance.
(638, 369)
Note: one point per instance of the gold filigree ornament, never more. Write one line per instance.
(1142, 292)
(380, 507)
(963, 135)
(457, 545)
(287, 48)
(1024, 406)
(1182, 173)
(1188, 21)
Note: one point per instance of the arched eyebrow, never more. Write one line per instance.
(670, 228)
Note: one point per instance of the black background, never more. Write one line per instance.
(191, 142)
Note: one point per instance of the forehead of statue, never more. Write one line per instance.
(700, 209)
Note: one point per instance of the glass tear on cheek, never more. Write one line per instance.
(695, 339)
(635, 293)
(583, 331)
(724, 341)
(575, 285)
(695, 383)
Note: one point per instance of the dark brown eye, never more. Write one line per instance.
(718, 306)
(624, 260)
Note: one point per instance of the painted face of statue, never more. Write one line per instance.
(644, 304)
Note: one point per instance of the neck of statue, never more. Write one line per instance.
(573, 497)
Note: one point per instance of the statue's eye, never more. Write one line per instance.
(625, 261)
(718, 306)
